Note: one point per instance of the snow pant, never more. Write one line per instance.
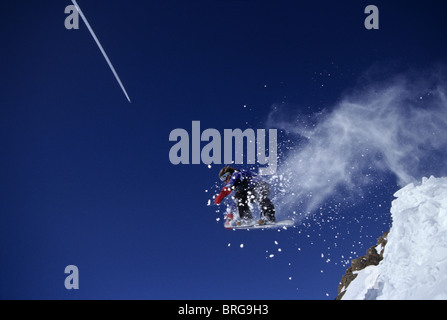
(260, 194)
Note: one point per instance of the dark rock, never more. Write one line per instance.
(372, 257)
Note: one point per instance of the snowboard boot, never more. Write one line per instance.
(266, 220)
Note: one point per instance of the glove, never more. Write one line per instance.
(223, 193)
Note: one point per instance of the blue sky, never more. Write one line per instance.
(87, 178)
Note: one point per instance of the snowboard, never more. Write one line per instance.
(270, 225)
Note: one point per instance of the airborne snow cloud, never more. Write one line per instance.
(386, 125)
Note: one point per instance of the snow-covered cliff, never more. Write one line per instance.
(414, 264)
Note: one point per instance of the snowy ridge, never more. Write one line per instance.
(414, 264)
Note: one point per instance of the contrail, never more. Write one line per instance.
(101, 48)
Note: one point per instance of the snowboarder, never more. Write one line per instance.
(248, 187)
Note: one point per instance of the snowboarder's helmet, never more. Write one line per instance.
(226, 171)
